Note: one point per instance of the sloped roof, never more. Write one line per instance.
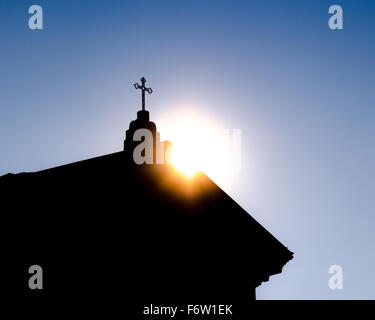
(171, 232)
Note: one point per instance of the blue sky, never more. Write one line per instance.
(302, 94)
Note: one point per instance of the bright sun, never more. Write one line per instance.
(184, 161)
(199, 144)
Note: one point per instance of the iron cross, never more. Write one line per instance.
(143, 88)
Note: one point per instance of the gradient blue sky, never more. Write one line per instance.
(302, 94)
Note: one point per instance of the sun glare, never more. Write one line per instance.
(199, 144)
(184, 161)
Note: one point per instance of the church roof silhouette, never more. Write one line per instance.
(122, 233)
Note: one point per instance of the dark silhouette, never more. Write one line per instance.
(112, 235)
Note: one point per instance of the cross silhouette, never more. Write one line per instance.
(143, 88)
